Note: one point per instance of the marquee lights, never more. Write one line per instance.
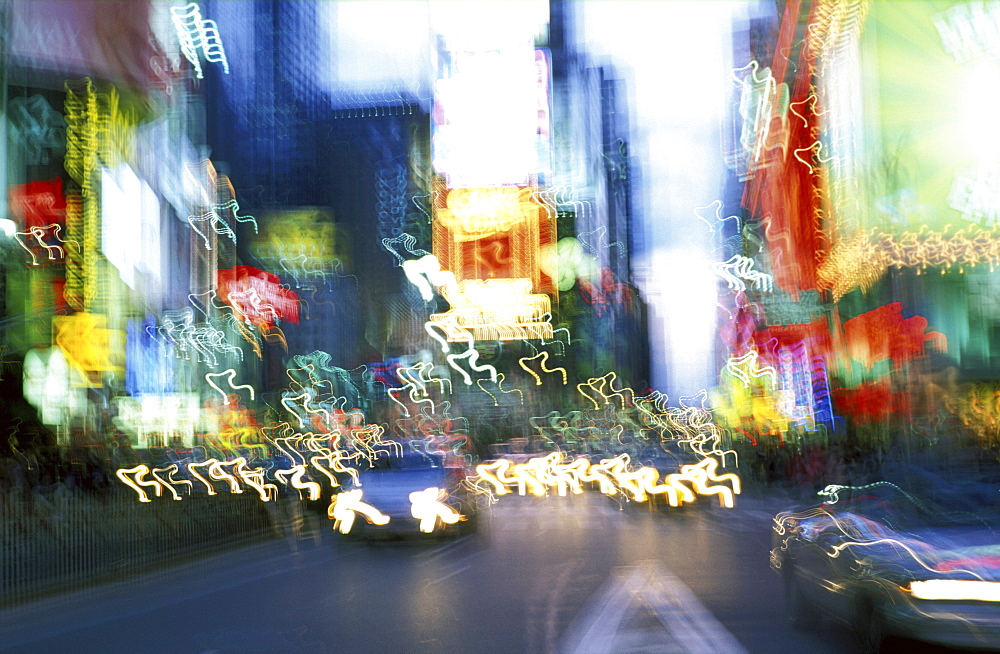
(860, 260)
(496, 309)
(473, 213)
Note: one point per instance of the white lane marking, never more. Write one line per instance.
(687, 626)
(440, 550)
(450, 574)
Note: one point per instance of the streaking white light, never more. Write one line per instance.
(198, 34)
(486, 117)
(956, 589)
(686, 295)
(679, 111)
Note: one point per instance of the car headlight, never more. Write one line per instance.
(956, 589)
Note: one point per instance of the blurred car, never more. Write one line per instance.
(411, 496)
(922, 564)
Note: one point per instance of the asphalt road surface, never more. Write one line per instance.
(561, 575)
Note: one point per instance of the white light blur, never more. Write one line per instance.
(130, 238)
(385, 50)
(956, 589)
(676, 58)
(681, 284)
(120, 194)
(8, 227)
(978, 109)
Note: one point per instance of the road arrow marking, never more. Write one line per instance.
(611, 623)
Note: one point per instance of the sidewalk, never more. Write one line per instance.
(33, 621)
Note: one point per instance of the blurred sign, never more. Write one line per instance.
(38, 204)
(88, 345)
(491, 116)
(257, 296)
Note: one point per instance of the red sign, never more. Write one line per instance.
(38, 204)
(257, 296)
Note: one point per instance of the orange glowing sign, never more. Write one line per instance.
(493, 233)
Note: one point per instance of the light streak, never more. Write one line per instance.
(811, 524)
(198, 34)
(314, 461)
(495, 474)
(345, 506)
(815, 149)
(207, 463)
(391, 392)
(832, 491)
(811, 100)
(254, 478)
(408, 242)
(544, 356)
(426, 506)
(230, 374)
(286, 402)
(139, 471)
(580, 389)
(738, 268)
(473, 356)
(234, 206)
(215, 222)
(762, 101)
(425, 273)
(613, 476)
(607, 379)
(700, 474)
(956, 589)
(216, 472)
(297, 473)
(168, 483)
(500, 380)
(589, 473)
(479, 383)
(717, 206)
(745, 367)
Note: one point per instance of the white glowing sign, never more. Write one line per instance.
(48, 388)
(490, 117)
(130, 230)
(155, 419)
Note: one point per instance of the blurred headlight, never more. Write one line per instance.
(956, 589)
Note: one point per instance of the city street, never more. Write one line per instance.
(556, 574)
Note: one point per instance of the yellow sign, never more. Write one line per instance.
(87, 344)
